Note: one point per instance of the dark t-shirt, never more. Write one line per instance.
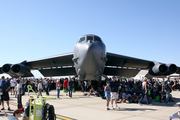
(4, 86)
(71, 83)
(114, 86)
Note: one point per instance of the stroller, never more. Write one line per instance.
(176, 115)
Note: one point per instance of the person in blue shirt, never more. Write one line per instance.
(107, 90)
(4, 85)
(16, 115)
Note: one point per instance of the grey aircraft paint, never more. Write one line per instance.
(89, 57)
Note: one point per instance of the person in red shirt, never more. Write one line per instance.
(66, 85)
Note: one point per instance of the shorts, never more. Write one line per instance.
(114, 95)
(66, 89)
(12, 88)
(108, 98)
(5, 96)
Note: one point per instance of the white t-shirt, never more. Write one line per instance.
(13, 83)
(18, 88)
(40, 86)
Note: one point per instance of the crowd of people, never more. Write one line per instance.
(141, 92)
(112, 89)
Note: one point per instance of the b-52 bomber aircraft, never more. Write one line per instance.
(89, 61)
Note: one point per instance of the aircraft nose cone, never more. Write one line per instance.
(92, 48)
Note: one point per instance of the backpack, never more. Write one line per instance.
(165, 86)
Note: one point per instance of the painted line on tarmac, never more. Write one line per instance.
(57, 116)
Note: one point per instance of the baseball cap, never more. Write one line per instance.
(113, 77)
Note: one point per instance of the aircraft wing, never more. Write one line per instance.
(121, 65)
(60, 65)
(55, 61)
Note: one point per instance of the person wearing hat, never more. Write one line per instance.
(114, 91)
(16, 115)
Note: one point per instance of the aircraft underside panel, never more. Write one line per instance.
(121, 72)
(125, 61)
(178, 71)
(156, 76)
(58, 72)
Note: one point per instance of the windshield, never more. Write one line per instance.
(97, 39)
(82, 39)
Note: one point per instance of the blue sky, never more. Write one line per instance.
(146, 29)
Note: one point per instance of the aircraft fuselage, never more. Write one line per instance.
(89, 57)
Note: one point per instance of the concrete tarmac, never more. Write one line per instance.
(81, 107)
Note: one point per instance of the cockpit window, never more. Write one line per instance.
(89, 38)
(97, 39)
(82, 39)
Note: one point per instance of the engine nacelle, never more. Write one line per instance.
(21, 70)
(172, 68)
(158, 69)
(6, 68)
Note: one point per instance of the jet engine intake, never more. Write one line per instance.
(21, 70)
(172, 68)
(158, 69)
(6, 68)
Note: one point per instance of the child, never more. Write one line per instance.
(26, 110)
(16, 115)
(107, 90)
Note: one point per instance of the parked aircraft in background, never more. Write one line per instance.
(89, 61)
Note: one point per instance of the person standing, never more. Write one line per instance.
(166, 87)
(58, 87)
(66, 85)
(19, 92)
(114, 91)
(47, 87)
(107, 90)
(5, 96)
(145, 89)
(70, 85)
(13, 84)
(85, 85)
(40, 88)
